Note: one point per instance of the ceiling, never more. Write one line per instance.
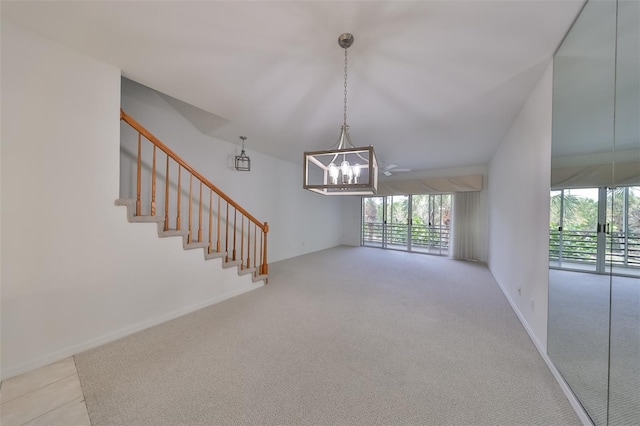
(431, 84)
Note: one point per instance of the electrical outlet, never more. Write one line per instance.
(520, 291)
(532, 304)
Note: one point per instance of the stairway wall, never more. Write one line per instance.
(74, 273)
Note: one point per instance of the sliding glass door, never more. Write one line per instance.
(431, 220)
(373, 214)
(419, 223)
(397, 223)
(623, 230)
(575, 238)
(595, 230)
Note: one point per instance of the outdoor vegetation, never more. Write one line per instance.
(430, 220)
(574, 226)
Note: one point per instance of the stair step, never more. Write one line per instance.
(257, 278)
(231, 263)
(196, 245)
(173, 233)
(146, 219)
(125, 202)
(215, 255)
(131, 206)
(246, 271)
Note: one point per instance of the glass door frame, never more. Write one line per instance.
(396, 229)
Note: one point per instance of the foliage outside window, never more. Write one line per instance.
(574, 225)
(412, 222)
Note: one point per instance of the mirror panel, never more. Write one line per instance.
(594, 280)
(581, 172)
(624, 381)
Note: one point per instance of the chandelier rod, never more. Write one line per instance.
(345, 87)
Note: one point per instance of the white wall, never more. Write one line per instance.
(74, 272)
(519, 176)
(351, 220)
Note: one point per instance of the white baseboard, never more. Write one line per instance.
(573, 400)
(52, 357)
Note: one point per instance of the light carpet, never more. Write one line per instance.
(350, 335)
(598, 355)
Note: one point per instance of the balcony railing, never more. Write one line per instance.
(573, 246)
(622, 249)
(431, 238)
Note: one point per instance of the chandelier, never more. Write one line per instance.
(243, 162)
(343, 169)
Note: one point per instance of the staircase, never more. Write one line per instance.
(201, 214)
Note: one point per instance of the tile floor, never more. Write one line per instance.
(50, 395)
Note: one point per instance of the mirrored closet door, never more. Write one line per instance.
(594, 251)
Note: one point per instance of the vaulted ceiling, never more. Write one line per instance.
(431, 84)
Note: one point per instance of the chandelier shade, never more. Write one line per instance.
(343, 169)
(243, 162)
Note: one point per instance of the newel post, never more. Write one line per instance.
(264, 268)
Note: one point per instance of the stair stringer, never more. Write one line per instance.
(130, 204)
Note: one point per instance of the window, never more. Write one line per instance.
(418, 223)
(595, 229)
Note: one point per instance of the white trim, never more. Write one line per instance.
(573, 400)
(52, 357)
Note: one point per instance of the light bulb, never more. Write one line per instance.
(345, 166)
(333, 173)
(356, 172)
(347, 173)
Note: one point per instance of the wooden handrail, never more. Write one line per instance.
(144, 132)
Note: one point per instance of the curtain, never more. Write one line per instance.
(623, 173)
(465, 226)
(432, 185)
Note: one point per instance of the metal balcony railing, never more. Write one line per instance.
(622, 249)
(422, 236)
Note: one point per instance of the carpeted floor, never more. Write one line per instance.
(349, 335)
(598, 357)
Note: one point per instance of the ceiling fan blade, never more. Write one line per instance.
(391, 166)
(402, 170)
(386, 172)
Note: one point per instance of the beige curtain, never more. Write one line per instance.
(433, 185)
(622, 173)
(465, 232)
